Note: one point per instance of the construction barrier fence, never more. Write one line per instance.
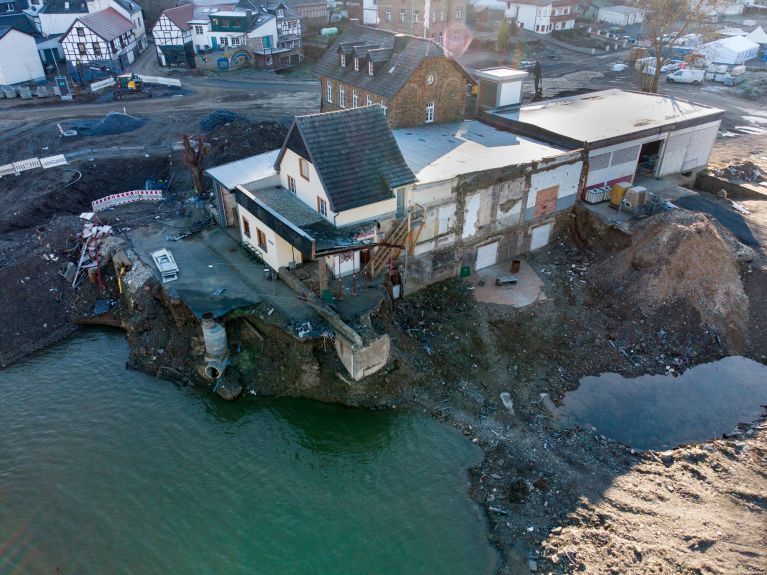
(126, 198)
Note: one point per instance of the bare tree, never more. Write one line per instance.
(195, 152)
(666, 22)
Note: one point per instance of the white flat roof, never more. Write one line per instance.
(502, 73)
(245, 171)
(229, 13)
(607, 114)
(442, 151)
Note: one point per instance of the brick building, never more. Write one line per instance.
(410, 77)
(443, 21)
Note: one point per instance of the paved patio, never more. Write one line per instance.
(528, 290)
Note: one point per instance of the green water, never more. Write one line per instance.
(105, 470)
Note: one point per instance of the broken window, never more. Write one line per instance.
(245, 227)
(303, 167)
(261, 239)
(292, 184)
(322, 207)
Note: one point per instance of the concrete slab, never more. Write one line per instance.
(528, 290)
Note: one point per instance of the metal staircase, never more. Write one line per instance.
(403, 236)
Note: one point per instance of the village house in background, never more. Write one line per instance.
(100, 41)
(19, 60)
(543, 16)
(443, 21)
(621, 15)
(229, 35)
(410, 77)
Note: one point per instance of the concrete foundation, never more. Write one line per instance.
(361, 361)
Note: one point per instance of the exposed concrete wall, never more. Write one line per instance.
(365, 360)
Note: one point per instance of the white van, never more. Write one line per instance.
(686, 76)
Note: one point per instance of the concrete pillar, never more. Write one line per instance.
(322, 272)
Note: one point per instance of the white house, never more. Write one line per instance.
(543, 16)
(56, 16)
(102, 39)
(173, 36)
(19, 60)
(621, 15)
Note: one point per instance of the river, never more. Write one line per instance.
(106, 470)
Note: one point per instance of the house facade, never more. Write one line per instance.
(104, 39)
(410, 77)
(19, 60)
(56, 16)
(443, 21)
(267, 36)
(543, 16)
(621, 15)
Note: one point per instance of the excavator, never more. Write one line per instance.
(130, 86)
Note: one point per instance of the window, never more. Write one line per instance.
(224, 41)
(261, 239)
(322, 206)
(388, 14)
(81, 49)
(459, 14)
(402, 15)
(198, 30)
(341, 94)
(429, 112)
(280, 13)
(122, 41)
(416, 14)
(441, 15)
(343, 59)
(355, 99)
(369, 100)
(235, 41)
(80, 32)
(329, 95)
(113, 46)
(245, 227)
(357, 64)
(371, 68)
(383, 105)
(434, 16)
(303, 167)
(291, 184)
(96, 48)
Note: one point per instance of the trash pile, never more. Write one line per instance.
(741, 171)
(237, 140)
(113, 123)
(90, 239)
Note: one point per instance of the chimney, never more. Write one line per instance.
(400, 41)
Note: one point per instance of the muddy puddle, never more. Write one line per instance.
(662, 411)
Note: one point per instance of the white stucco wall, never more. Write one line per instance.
(366, 213)
(19, 59)
(56, 23)
(279, 253)
(306, 191)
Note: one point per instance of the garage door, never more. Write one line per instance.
(486, 256)
(540, 236)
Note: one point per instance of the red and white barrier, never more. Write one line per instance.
(126, 198)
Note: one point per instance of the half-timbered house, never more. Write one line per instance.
(173, 37)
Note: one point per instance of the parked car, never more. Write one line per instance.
(671, 66)
(686, 76)
(526, 64)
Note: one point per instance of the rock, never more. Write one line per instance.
(532, 565)
(556, 531)
(507, 401)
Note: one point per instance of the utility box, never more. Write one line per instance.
(498, 87)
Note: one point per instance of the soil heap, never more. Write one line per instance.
(682, 257)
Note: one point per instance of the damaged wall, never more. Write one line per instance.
(514, 207)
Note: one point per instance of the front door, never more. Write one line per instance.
(214, 40)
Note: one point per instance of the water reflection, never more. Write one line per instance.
(662, 411)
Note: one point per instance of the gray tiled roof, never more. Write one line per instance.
(129, 6)
(20, 22)
(391, 76)
(355, 155)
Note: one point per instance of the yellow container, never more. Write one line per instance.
(617, 192)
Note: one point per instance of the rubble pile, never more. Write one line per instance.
(739, 172)
(239, 139)
(682, 257)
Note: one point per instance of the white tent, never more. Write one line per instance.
(759, 36)
(734, 50)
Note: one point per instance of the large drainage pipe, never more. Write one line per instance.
(216, 346)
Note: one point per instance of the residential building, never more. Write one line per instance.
(621, 15)
(443, 21)
(56, 16)
(409, 76)
(543, 16)
(313, 14)
(267, 36)
(335, 178)
(19, 60)
(102, 40)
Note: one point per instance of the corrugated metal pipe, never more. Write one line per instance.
(216, 347)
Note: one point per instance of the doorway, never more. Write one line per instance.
(648, 158)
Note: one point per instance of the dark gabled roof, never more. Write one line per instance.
(180, 16)
(60, 7)
(108, 24)
(405, 54)
(354, 152)
(20, 22)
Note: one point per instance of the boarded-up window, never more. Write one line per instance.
(599, 162)
(625, 155)
(546, 201)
